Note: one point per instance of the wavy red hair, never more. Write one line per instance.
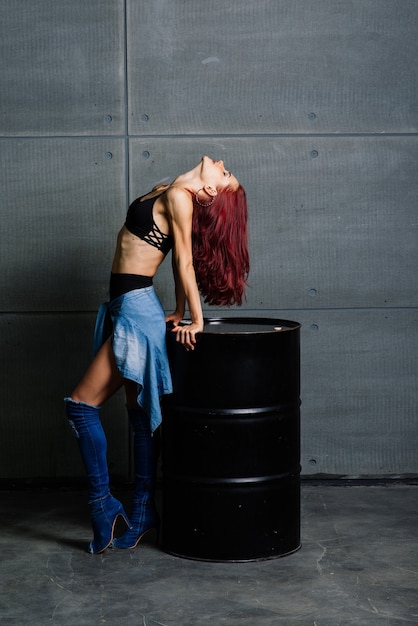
(220, 247)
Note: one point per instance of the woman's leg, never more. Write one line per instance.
(101, 380)
(144, 516)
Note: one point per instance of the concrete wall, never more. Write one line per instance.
(312, 103)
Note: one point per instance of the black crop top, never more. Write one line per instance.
(140, 222)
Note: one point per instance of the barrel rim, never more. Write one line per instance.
(281, 324)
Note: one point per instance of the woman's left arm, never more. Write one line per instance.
(180, 213)
(178, 314)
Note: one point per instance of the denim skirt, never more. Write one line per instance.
(138, 339)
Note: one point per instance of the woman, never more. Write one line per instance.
(202, 216)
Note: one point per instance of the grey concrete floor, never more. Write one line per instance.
(358, 565)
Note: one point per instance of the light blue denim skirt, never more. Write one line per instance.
(139, 343)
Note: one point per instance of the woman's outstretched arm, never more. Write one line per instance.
(180, 214)
(178, 314)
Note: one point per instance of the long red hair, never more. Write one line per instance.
(220, 247)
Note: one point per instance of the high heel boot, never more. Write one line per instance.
(144, 516)
(104, 508)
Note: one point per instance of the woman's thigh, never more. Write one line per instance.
(101, 380)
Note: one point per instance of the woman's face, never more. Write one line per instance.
(215, 173)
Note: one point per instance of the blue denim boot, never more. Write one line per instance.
(104, 508)
(144, 516)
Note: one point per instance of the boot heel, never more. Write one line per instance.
(145, 519)
(104, 513)
(131, 538)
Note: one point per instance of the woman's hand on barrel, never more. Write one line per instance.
(186, 333)
(175, 318)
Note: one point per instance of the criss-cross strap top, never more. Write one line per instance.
(140, 222)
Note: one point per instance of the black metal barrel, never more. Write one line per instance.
(231, 442)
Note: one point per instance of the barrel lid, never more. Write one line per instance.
(248, 325)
